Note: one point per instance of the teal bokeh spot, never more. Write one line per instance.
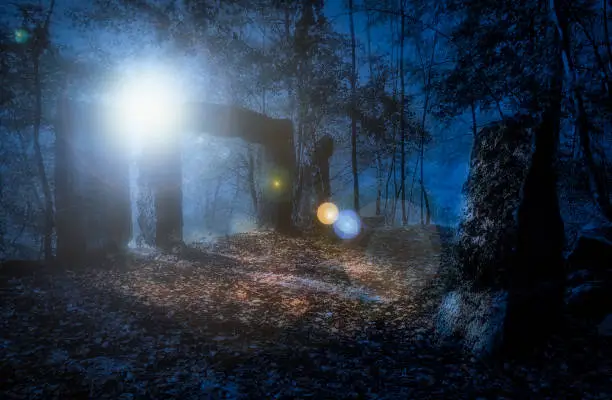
(21, 35)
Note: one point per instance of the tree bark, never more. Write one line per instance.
(536, 279)
(606, 31)
(379, 182)
(427, 82)
(597, 176)
(42, 174)
(426, 201)
(402, 116)
(253, 182)
(354, 110)
(379, 163)
(474, 124)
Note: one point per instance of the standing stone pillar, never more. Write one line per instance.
(164, 161)
(324, 148)
(145, 201)
(279, 185)
(116, 203)
(92, 189)
(71, 243)
(276, 135)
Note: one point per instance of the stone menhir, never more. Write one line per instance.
(499, 162)
(511, 239)
(92, 192)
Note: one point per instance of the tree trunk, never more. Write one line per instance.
(536, 280)
(427, 82)
(40, 164)
(414, 175)
(379, 163)
(402, 116)
(354, 110)
(474, 124)
(379, 182)
(426, 200)
(253, 171)
(369, 48)
(299, 189)
(597, 176)
(605, 84)
(387, 183)
(606, 31)
(252, 182)
(215, 202)
(324, 149)
(228, 226)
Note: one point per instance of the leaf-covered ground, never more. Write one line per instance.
(263, 316)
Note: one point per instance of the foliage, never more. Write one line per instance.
(22, 74)
(502, 60)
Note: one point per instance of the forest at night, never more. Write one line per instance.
(286, 199)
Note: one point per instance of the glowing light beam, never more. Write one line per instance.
(147, 105)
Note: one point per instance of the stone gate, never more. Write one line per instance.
(93, 207)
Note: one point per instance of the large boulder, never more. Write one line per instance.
(475, 309)
(500, 159)
(593, 249)
(605, 327)
(589, 283)
(590, 300)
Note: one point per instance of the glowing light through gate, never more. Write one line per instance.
(147, 105)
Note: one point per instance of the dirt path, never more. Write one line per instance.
(257, 316)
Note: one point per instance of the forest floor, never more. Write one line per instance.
(263, 316)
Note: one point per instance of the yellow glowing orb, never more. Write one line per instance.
(327, 213)
(276, 183)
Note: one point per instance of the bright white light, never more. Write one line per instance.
(148, 105)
